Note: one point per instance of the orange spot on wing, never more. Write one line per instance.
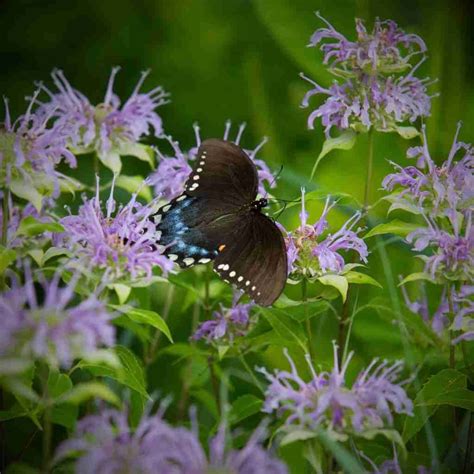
(221, 247)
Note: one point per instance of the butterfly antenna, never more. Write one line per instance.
(281, 211)
(273, 181)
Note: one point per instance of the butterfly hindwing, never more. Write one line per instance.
(223, 171)
(254, 258)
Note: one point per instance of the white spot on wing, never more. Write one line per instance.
(247, 283)
(180, 198)
(240, 278)
(173, 257)
(221, 266)
(196, 177)
(199, 170)
(232, 274)
(188, 261)
(166, 208)
(254, 288)
(204, 260)
(157, 219)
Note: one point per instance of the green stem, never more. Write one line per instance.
(250, 372)
(5, 216)
(370, 165)
(215, 385)
(47, 426)
(309, 329)
(452, 347)
(96, 164)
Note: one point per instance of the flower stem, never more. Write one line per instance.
(5, 216)
(370, 165)
(215, 384)
(47, 426)
(452, 347)
(250, 372)
(309, 330)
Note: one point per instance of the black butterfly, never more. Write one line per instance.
(218, 218)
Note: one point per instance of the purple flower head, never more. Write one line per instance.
(120, 240)
(30, 149)
(438, 191)
(461, 323)
(107, 444)
(53, 329)
(226, 324)
(386, 49)
(326, 401)
(311, 253)
(376, 86)
(373, 102)
(172, 172)
(110, 129)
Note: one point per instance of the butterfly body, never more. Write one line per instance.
(218, 218)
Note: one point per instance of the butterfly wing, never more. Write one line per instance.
(254, 257)
(223, 172)
(189, 229)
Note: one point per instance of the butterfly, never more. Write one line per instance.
(219, 218)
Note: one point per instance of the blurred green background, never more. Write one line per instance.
(240, 59)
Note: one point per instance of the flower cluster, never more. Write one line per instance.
(443, 196)
(172, 172)
(311, 254)
(53, 328)
(109, 129)
(462, 307)
(327, 402)
(369, 93)
(227, 324)
(106, 443)
(30, 149)
(122, 241)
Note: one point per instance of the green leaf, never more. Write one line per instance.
(302, 311)
(337, 281)
(89, 390)
(440, 384)
(285, 327)
(222, 351)
(112, 161)
(396, 227)
(361, 279)
(54, 252)
(345, 141)
(122, 291)
(64, 414)
(138, 150)
(461, 397)
(7, 256)
(131, 373)
(27, 191)
(30, 226)
(37, 255)
(416, 277)
(297, 435)
(145, 316)
(132, 184)
(243, 407)
(69, 185)
(407, 132)
(391, 435)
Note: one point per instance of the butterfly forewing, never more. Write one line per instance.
(254, 258)
(223, 171)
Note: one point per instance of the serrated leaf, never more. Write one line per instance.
(445, 381)
(416, 277)
(337, 281)
(361, 279)
(285, 327)
(7, 256)
(345, 141)
(132, 184)
(30, 226)
(144, 316)
(89, 390)
(243, 407)
(26, 191)
(396, 227)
